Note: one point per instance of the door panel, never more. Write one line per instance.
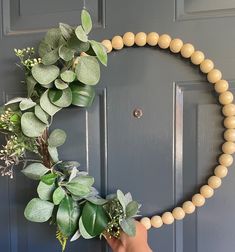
(163, 157)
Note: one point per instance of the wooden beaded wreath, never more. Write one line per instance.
(221, 86)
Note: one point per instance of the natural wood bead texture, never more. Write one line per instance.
(221, 86)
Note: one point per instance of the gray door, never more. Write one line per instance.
(164, 156)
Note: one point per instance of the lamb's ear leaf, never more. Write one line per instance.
(86, 21)
(100, 52)
(128, 226)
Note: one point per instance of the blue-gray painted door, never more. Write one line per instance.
(164, 156)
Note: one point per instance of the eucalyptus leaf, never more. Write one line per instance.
(88, 70)
(100, 51)
(49, 178)
(45, 191)
(66, 53)
(57, 138)
(67, 216)
(53, 154)
(38, 210)
(43, 48)
(60, 84)
(15, 100)
(80, 33)
(45, 74)
(77, 45)
(52, 37)
(68, 76)
(86, 21)
(35, 171)
(41, 114)
(132, 209)
(83, 231)
(50, 57)
(66, 30)
(65, 99)
(31, 83)
(96, 200)
(128, 226)
(31, 126)
(26, 103)
(58, 195)
(47, 106)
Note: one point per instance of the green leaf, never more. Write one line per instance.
(68, 76)
(82, 95)
(15, 100)
(45, 191)
(38, 210)
(53, 37)
(100, 51)
(128, 226)
(43, 48)
(31, 83)
(35, 171)
(81, 35)
(94, 219)
(31, 126)
(83, 231)
(66, 53)
(47, 106)
(122, 200)
(57, 138)
(26, 103)
(97, 200)
(45, 74)
(66, 30)
(67, 216)
(49, 179)
(60, 84)
(80, 186)
(41, 114)
(88, 70)
(50, 57)
(53, 154)
(132, 209)
(58, 195)
(77, 45)
(86, 21)
(64, 100)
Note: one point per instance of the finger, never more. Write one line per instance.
(113, 242)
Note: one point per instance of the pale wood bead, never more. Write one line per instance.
(229, 135)
(197, 57)
(129, 39)
(152, 38)
(188, 207)
(226, 98)
(141, 39)
(167, 218)
(226, 160)
(206, 191)
(228, 148)
(107, 43)
(146, 222)
(117, 42)
(214, 75)
(229, 122)
(221, 86)
(214, 182)
(206, 66)
(229, 110)
(176, 45)
(164, 41)
(156, 221)
(178, 213)
(187, 50)
(198, 200)
(221, 171)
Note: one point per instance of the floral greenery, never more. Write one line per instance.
(63, 73)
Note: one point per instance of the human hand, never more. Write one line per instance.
(138, 243)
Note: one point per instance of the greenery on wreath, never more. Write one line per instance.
(61, 74)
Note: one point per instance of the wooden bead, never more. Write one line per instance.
(221, 171)
(187, 50)
(176, 45)
(117, 42)
(178, 213)
(146, 222)
(156, 221)
(214, 75)
(229, 135)
(107, 43)
(167, 218)
(164, 41)
(198, 200)
(197, 57)
(229, 110)
(152, 38)
(141, 39)
(229, 122)
(206, 191)
(226, 160)
(226, 98)
(221, 86)
(188, 207)
(129, 39)
(214, 182)
(206, 66)
(228, 148)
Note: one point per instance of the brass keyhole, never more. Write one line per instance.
(138, 113)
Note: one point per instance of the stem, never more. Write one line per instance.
(43, 149)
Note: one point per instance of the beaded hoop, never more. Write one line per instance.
(214, 76)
